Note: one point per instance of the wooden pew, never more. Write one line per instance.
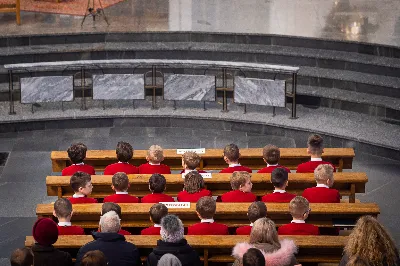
(342, 158)
(348, 184)
(136, 215)
(12, 8)
(217, 249)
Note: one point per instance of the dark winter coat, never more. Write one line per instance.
(50, 256)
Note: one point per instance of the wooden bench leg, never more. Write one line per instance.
(340, 165)
(18, 12)
(201, 164)
(205, 257)
(352, 197)
(59, 192)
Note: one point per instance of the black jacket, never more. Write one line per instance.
(49, 256)
(117, 251)
(185, 253)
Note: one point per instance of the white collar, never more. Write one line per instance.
(279, 191)
(316, 159)
(268, 165)
(123, 162)
(188, 170)
(322, 185)
(298, 221)
(234, 165)
(154, 163)
(207, 220)
(64, 224)
(78, 196)
(78, 163)
(121, 192)
(251, 224)
(157, 225)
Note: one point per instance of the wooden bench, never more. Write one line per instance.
(217, 249)
(348, 183)
(135, 215)
(12, 8)
(342, 158)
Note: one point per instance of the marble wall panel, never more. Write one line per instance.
(259, 91)
(189, 87)
(118, 87)
(47, 89)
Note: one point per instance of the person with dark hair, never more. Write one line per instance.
(271, 155)
(157, 185)
(111, 206)
(77, 153)
(22, 257)
(279, 179)
(256, 210)
(193, 188)
(253, 257)
(94, 258)
(63, 212)
(157, 212)
(190, 161)
(124, 153)
(81, 184)
(231, 157)
(120, 184)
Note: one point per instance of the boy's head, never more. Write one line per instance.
(124, 151)
(77, 152)
(324, 174)
(22, 257)
(299, 208)
(111, 206)
(120, 182)
(157, 212)
(271, 154)
(256, 210)
(193, 183)
(206, 207)
(315, 145)
(157, 183)
(94, 258)
(279, 178)
(81, 183)
(62, 209)
(241, 180)
(155, 154)
(253, 257)
(231, 153)
(190, 160)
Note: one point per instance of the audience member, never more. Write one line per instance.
(256, 210)
(299, 208)
(172, 241)
(157, 212)
(253, 257)
(315, 148)
(94, 258)
(117, 251)
(120, 184)
(124, 153)
(63, 212)
(157, 185)
(169, 260)
(241, 188)
(264, 237)
(193, 188)
(190, 161)
(231, 157)
(77, 153)
(279, 179)
(111, 206)
(155, 155)
(271, 155)
(81, 184)
(22, 257)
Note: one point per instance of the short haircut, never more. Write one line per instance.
(22, 257)
(111, 206)
(239, 178)
(206, 207)
(193, 183)
(124, 151)
(271, 154)
(157, 183)
(120, 181)
(323, 172)
(279, 177)
(77, 152)
(257, 210)
(110, 222)
(298, 206)
(231, 151)
(94, 258)
(79, 179)
(157, 212)
(191, 159)
(253, 257)
(155, 154)
(171, 229)
(62, 208)
(315, 143)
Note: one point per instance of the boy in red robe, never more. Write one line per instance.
(190, 161)
(124, 153)
(120, 184)
(256, 210)
(271, 155)
(241, 189)
(279, 178)
(157, 185)
(81, 184)
(77, 153)
(63, 212)
(155, 155)
(231, 157)
(193, 188)
(157, 212)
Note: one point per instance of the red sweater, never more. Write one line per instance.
(199, 171)
(153, 169)
(244, 230)
(70, 230)
(184, 196)
(121, 198)
(310, 166)
(82, 200)
(269, 169)
(121, 167)
(70, 170)
(152, 230)
(156, 198)
(278, 197)
(238, 196)
(322, 195)
(208, 229)
(298, 229)
(229, 170)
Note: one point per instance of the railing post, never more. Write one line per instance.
(11, 92)
(294, 88)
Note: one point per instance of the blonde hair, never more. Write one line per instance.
(155, 154)
(264, 231)
(323, 172)
(191, 159)
(239, 178)
(298, 206)
(371, 242)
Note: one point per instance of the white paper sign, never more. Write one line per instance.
(177, 205)
(198, 151)
(204, 175)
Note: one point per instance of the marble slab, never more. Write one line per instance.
(259, 91)
(47, 89)
(118, 87)
(189, 87)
